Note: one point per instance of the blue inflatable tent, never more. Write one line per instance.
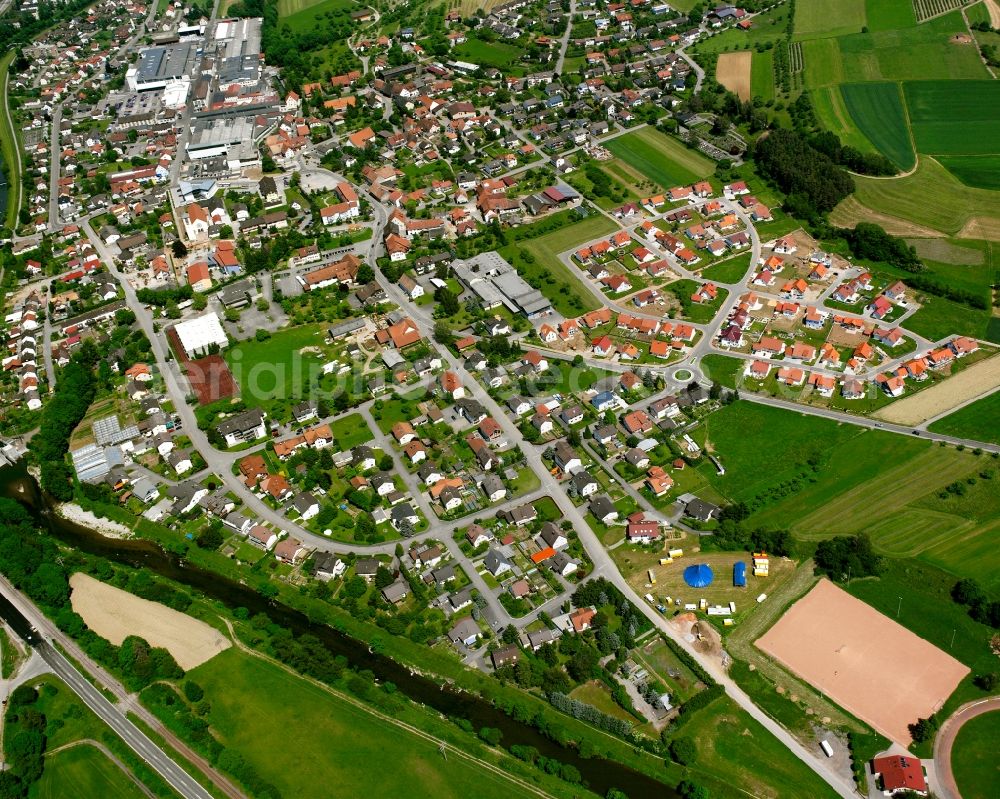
(740, 574)
(698, 576)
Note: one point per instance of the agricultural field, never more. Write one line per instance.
(955, 118)
(877, 110)
(762, 75)
(733, 71)
(888, 15)
(973, 758)
(764, 448)
(978, 171)
(928, 9)
(255, 704)
(979, 420)
(831, 110)
(84, 772)
(828, 18)
(934, 198)
(661, 158)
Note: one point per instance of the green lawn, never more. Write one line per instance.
(659, 157)
(822, 18)
(738, 750)
(722, 369)
(877, 110)
(275, 369)
(868, 481)
(731, 270)
(305, 740)
(9, 148)
(974, 757)
(939, 317)
(549, 274)
(928, 610)
(955, 117)
(979, 420)
(85, 773)
(350, 431)
(767, 28)
(487, 54)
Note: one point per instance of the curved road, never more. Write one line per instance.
(947, 788)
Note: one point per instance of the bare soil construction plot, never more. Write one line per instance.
(733, 71)
(115, 614)
(966, 385)
(863, 660)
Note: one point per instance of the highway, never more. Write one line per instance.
(28, 622)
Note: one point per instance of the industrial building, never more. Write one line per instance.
(495, 282)
(158, 66)
(199, 334)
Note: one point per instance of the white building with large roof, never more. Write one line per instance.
(199, 334)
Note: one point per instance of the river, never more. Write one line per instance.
(599, 774)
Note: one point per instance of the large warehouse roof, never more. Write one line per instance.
(198, 334)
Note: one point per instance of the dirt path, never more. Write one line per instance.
(115, 614)
(976, 381)
(994, 9)
(109, 755)
(732, 70)
(945, 740)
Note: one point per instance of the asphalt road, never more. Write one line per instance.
(946, 787)
(21, 615)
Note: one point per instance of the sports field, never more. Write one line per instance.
(863, 660)
(86, 773)
(305, 740)
(974, 757)
(979, 420)
(661, 158)
(867, 481)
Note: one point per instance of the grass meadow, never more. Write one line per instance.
(85, 772)
(977, 171)
(273, 369)
(868, 481)
(831, 110)
(487, 54)
(300, 15)
(828, 18)
(877, 110)
(304, 739)
(931, 197)
(980, 420)
(661, 158)
(889, 15)
(974, 756)
(762, 75)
